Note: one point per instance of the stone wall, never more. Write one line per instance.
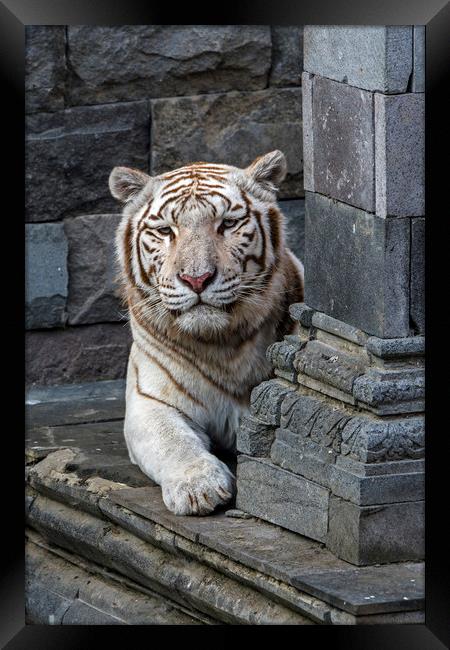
(151, 97)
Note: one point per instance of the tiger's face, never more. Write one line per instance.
(200, 240)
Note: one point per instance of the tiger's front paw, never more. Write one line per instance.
(198, 488)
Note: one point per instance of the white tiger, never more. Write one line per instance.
(208, 279)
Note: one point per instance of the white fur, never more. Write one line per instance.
(182, 397)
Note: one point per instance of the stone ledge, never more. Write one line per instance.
(64, 589)
(74, 496)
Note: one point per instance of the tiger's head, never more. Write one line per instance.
(199, 242)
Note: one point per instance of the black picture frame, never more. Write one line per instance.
(435, 14)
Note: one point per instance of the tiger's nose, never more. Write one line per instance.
(198, 283)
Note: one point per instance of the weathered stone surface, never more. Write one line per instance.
(44, 67)
(114, 388)
(308, 135)
(111, 467)
(77, 411)
(338, 328)
(287, 56)
(389, 392)
(249, 551)
(299, 311)
(46, 275)
(256, 544)
(328, 365)
(302, 456)
(370, 289)
(376, 490)
(104, 436)
(131, 62)
(417, 297)
(418, 76)
(308, 459)
(376, 534)
(314, 418)
(343, 133)
(70, 154)
(184, 580)
(369, 590)
(77, 354)
(347, 432)
(405, 466)
(267, 491)
(374, 58)
(400, 154)
(232, 128)
(281, 355)
(396, 348)
(294, 212)
(92, 255)
(87, 595)
(254, 437)
(266, 399)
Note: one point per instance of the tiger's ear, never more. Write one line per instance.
(269, 170)
(126, 183)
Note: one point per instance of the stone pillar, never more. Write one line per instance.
(334, 446)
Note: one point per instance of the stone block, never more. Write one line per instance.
(338, 328)
(70, 154)
(400, 155)
(266, 399)
(85, 353)
(294, 213)
(232, 128)
(300, 312)
(352, 480)
(254, 437)
(377, 58)
(282, 498)
(376, 534)
(45, 275)
(343, 132)
(404, 466)
(417, 296)
(287, 56)
(410, 346)
(370, 288)
(418, 76)
(44, 67)
(328, 365)
(311, 417)
(131, 62)
(308, 136)
(281, 355)
(398, 587)
(302, 456)
(95, 389)
(349, 432)
(390, 392)
(376, 490)
(93, 290)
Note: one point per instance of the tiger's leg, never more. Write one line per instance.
(173, 454)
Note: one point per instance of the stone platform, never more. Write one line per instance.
(103, 549)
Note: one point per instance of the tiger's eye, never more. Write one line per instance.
(165, 231)
(228, 223)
